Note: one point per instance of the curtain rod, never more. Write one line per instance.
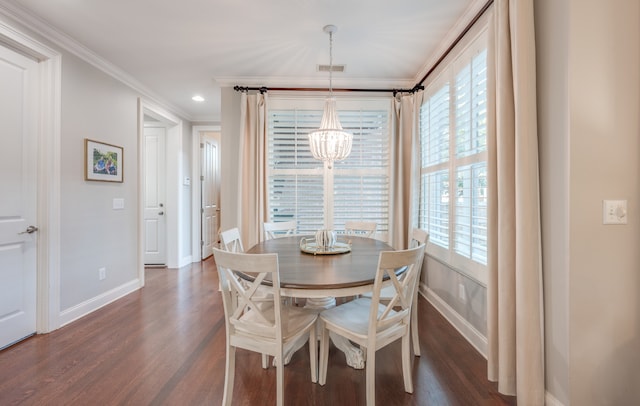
(264, 89)
(456, 41)
(417, 87)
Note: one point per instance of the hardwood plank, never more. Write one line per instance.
(165, 345)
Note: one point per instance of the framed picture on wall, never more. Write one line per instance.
(103, 162)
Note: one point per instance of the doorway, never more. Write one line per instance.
(210, 191)
(206, 147)
(30, 179)
(18, 168)
(154, 197)
(169, 163)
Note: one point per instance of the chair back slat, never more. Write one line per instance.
(418, 236)
(231, 241)
(389, 312)
(279, 229)
(361, 228)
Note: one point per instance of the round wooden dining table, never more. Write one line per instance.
(320, 278)
(307, 275)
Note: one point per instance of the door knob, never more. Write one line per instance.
(29, 230)
(161, 213)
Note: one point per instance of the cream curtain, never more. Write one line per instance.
(251, 168)
(405, 168)
(514, 293)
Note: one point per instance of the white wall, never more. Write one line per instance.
(604, 130)
(185, 191)
(229, 147)
(93, 235)
(589, 89)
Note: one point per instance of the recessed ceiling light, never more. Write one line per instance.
(197, 98)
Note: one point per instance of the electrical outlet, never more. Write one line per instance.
(462, 293)
(102, 273)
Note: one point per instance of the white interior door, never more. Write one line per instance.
(18, 182)
(210, 186)
(155, 242)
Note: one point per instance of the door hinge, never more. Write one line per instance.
(202, 243)
(202, 145)
(202, 177)
(202, 211)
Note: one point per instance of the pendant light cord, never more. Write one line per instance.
(330, 64)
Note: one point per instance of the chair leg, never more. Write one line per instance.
(324, 354)
(230, 367)
(313, 354)
(279, 360)
(406, 363)
(371, 376)
(414, 326)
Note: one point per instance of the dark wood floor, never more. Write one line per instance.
(165, 345)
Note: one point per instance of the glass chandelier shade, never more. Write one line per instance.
(330, 142)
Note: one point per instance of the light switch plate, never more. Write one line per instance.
(614, 212)
(118, 204)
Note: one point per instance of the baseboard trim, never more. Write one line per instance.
(184, 261)
(550, 400)
(80, 310)
(473, 336)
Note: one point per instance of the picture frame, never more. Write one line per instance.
(103, 162)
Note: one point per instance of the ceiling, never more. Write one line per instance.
(182, 48)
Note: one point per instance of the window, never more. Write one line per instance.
(300, 187)
(453, 181)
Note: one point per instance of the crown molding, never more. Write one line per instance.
(36, 24)
(468, 16)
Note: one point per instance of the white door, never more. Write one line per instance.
(18, 83)
(210, 186)
(155, 251)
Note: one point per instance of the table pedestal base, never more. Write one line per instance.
(353, 355)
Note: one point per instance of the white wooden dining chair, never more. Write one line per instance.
(279, 229)
(368, 322)
(418, 236)
(361, 228)
(258, 323)
(230, 240)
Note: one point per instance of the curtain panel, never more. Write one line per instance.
(515, 332)
(405, 168)
(252, 168)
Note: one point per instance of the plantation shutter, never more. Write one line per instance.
(453, 181)
(355, 189)
(361, 182)
(295, 186)
(470, 234)
(434, 124)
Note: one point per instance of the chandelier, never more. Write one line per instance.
(330, 142)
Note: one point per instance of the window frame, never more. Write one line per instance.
(461, 56)
(346, 104)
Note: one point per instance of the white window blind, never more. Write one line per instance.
(453, 136)
(301, 187)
